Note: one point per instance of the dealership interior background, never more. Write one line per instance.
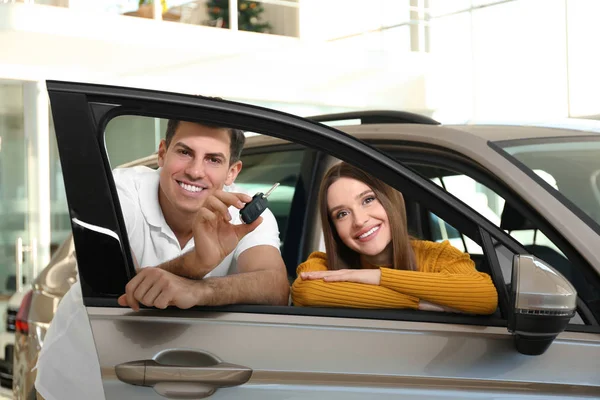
(454, 60)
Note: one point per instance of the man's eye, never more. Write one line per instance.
(215, 160)
(183, 152)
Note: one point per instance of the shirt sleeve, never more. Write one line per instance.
(127, 199)
(132, 214)
(318, 293)
(446, 277)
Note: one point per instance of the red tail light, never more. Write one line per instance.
(21, 324)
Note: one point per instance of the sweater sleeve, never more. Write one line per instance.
(446, 277)
(317, 293)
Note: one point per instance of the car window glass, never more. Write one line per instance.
(493, 207)
(129, 137)
(572, 163)
(441, 230)
(261, 170)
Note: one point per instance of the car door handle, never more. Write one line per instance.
(174, 375)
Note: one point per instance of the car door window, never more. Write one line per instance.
(494, 208)
(506, 216)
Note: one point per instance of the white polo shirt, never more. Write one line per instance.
(67, 366)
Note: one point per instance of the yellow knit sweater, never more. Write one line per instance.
(445, 276)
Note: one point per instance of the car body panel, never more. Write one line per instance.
(390, 352)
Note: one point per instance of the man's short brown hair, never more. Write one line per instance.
(236, 138)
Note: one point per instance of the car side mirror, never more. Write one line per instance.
(542, 302)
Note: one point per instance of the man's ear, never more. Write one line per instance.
(234, 170)
(162, 151)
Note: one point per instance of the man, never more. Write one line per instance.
(179, 213)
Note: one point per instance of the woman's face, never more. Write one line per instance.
(359, 218)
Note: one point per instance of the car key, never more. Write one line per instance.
(259, 203)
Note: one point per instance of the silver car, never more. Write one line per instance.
(523, 201)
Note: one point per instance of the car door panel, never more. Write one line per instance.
(302, 357)
(291, 356)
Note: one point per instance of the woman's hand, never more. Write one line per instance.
(367, 276)
(427, 306)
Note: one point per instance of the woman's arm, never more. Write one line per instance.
(447, 277)
(317, 293)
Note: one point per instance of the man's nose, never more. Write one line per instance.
(195, 169)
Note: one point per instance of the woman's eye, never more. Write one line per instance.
(341, 214)
(369, 199)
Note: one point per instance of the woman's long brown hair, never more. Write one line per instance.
(340, 256)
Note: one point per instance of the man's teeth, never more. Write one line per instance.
(369, 232)
(191, 188)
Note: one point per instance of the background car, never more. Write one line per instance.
(514, 178)
(7, 339)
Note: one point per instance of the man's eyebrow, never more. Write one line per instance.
(184, 146)
(331, 211)
(188, 148)
(221, 155)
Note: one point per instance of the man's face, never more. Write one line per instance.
(194, 166)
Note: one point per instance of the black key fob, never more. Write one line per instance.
(255, 208)
(252, 210)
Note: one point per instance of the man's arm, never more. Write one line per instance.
(262, 277)
(187, 265)
(262, 280)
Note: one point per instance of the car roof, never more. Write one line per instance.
(434, 134)
(413, 132)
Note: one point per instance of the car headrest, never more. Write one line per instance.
(513, 220)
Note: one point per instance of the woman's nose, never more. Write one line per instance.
(360, 218)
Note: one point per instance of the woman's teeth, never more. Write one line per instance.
(369, 232)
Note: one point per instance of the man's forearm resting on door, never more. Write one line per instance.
(262, 279)
(257, 287)
(188, 265)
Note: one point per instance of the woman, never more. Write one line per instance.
(371, 261)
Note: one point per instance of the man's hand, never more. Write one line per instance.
(155, 287)
(214, 236)
(367, 276)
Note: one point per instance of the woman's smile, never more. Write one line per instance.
(368, 234)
